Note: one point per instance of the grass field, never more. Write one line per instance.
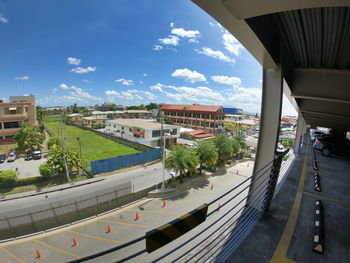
(93, 146)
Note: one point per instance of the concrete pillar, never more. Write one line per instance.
(271, 105)
(301, 128)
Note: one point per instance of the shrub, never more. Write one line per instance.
(8, 176)
(45, 170)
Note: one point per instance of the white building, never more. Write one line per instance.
(142, 131)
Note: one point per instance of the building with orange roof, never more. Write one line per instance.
(206, 117)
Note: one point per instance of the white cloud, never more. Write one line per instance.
(145, 74)
(141, 82)
(172, 24)
(157, 47)
(287, 107)
(233, 81)
(260, 80)
(73, 61)
(170, 40)
(3, 19)
(76, 95)
(63, 86)
(80, 70)
(249, 99)
(217, 54)
(188, 75)
(132, 95)
(125, 82)
(191, 34)
(23, 78)
(157, 87)
(231, 44)
(87, 81)
(211, 24)
(198, 95)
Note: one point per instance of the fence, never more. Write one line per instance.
(42, 217)
(115, 163)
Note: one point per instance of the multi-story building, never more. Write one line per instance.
(19, 109)
(142, 131)
(234, 111)
(208, 118)
(128, 114)
(92, 122)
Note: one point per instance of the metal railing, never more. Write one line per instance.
(27, 220)
(220, 236)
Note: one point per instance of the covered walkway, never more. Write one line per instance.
(286, 233)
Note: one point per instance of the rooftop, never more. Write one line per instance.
(194, 107)
(147, 125)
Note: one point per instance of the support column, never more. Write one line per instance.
(301, 128)
(271, 105)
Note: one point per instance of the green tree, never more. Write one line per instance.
(241, 141)
(182, 159)
(40, 114)
(53, 140)
(236, 147)
(288, 142)
(29, 137)
(45, 170)
(8, 176)
(207, 154)
(152, 106)
(224, 147)
(56, 162)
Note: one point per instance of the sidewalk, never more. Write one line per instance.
(50, 189)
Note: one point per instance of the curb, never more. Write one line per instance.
(5, 198)
(318, 245)
(317, 182)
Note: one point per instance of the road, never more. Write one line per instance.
(141, 178)
(92, 235)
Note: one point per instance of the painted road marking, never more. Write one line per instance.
(95, 237)
(279, 256)
(123, 223)
(152, 212)
(57, 249)
(345, 205)
(12, 255)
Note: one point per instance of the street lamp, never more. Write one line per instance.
(164, 153)
(78, 139)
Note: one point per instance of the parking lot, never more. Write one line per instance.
(25, 168)
(126, 224)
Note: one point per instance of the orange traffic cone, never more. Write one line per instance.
(109, 229)
(219, 206)
(164, 203)
(137, 217)
(75, 242)
(38, 254)
(211, 187)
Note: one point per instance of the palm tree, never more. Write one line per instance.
(181, 159)
(224, 147)
(207, 154)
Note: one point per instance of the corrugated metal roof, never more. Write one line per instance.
(194, 107)
(316, 37)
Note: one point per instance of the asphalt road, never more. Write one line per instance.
(92, 235)
(141, 178)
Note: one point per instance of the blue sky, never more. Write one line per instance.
(88, 52)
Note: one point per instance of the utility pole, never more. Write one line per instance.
(163, 142)
(64, 154)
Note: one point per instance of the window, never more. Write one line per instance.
(173, 132)
(156, 133)
(11, 124)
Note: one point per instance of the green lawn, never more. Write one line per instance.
(93, 146)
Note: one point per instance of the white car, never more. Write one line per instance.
(314, 134)
(11, 157)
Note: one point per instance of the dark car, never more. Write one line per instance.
(37, 154)
(2, 158)
(333, 145)
(28, 156)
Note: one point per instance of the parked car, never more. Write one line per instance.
(37, 154)
(28, 156)
(314, 134)
(332, 145)
(11, 157)
(2, 158)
